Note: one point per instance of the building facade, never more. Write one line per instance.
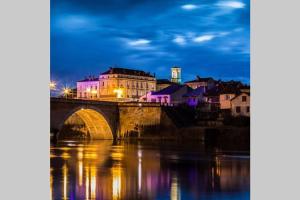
(195, 96)
(240, 105)
(225, 100)
(88, 88)
(170, 96)
(121, 84)
(207, 83)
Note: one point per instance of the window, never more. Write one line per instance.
(248, 109)
(103, 83)
(244, 98)
(166, 99)
(238, 109)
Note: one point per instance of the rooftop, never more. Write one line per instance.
(242, 93)
(196, 92)
(119, 70)
(212, 92)
(88, 79)
(200, 79)
(168, 90)
(164, 81)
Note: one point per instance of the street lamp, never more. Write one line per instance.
(119, 93)
(52, 85)
(66, 91)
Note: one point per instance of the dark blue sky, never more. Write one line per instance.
(204, 37)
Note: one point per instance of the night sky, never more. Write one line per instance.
(203, 37)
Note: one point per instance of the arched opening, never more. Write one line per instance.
(86, 124)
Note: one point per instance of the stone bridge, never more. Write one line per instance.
(103, 120)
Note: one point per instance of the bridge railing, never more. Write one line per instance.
(95, 101)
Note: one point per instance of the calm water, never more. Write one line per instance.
(105, 170)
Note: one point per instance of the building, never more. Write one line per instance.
(226, 95)
(88, 88)
(211, 100)
(176, 74)
(172, 95)
(230, 84)
(121, 84)
(162, 84)
(194, 97)
(240, 105)
(208, 83)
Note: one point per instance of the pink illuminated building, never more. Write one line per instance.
(88, 88)
(172, 95)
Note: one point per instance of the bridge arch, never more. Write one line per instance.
(96, 123)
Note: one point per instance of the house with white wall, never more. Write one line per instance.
(240, 105)
(88, 88)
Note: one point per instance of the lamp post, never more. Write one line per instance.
(52, 86)
(118, 92)
(66, 92)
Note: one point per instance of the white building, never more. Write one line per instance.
(240, 105)
(88, 88)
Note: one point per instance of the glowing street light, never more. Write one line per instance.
(52, 85)
(119, 93)
(66, 91)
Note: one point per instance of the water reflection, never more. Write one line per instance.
(65, 181)
(116, 185)
(175, 189)
(105, 171)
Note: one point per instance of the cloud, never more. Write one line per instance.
(180, 40)
(231, 4)
(139, 42)
(189, 7)
(203, 38)
(223, 33)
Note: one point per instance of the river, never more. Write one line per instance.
(107, 170)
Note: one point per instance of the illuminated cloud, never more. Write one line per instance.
(179, 39)
(224, 33)
(203, 38)
(139, 42)
(189, 7)
(231, 4)
(169, 34)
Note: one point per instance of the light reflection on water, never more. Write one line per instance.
(105, 171)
